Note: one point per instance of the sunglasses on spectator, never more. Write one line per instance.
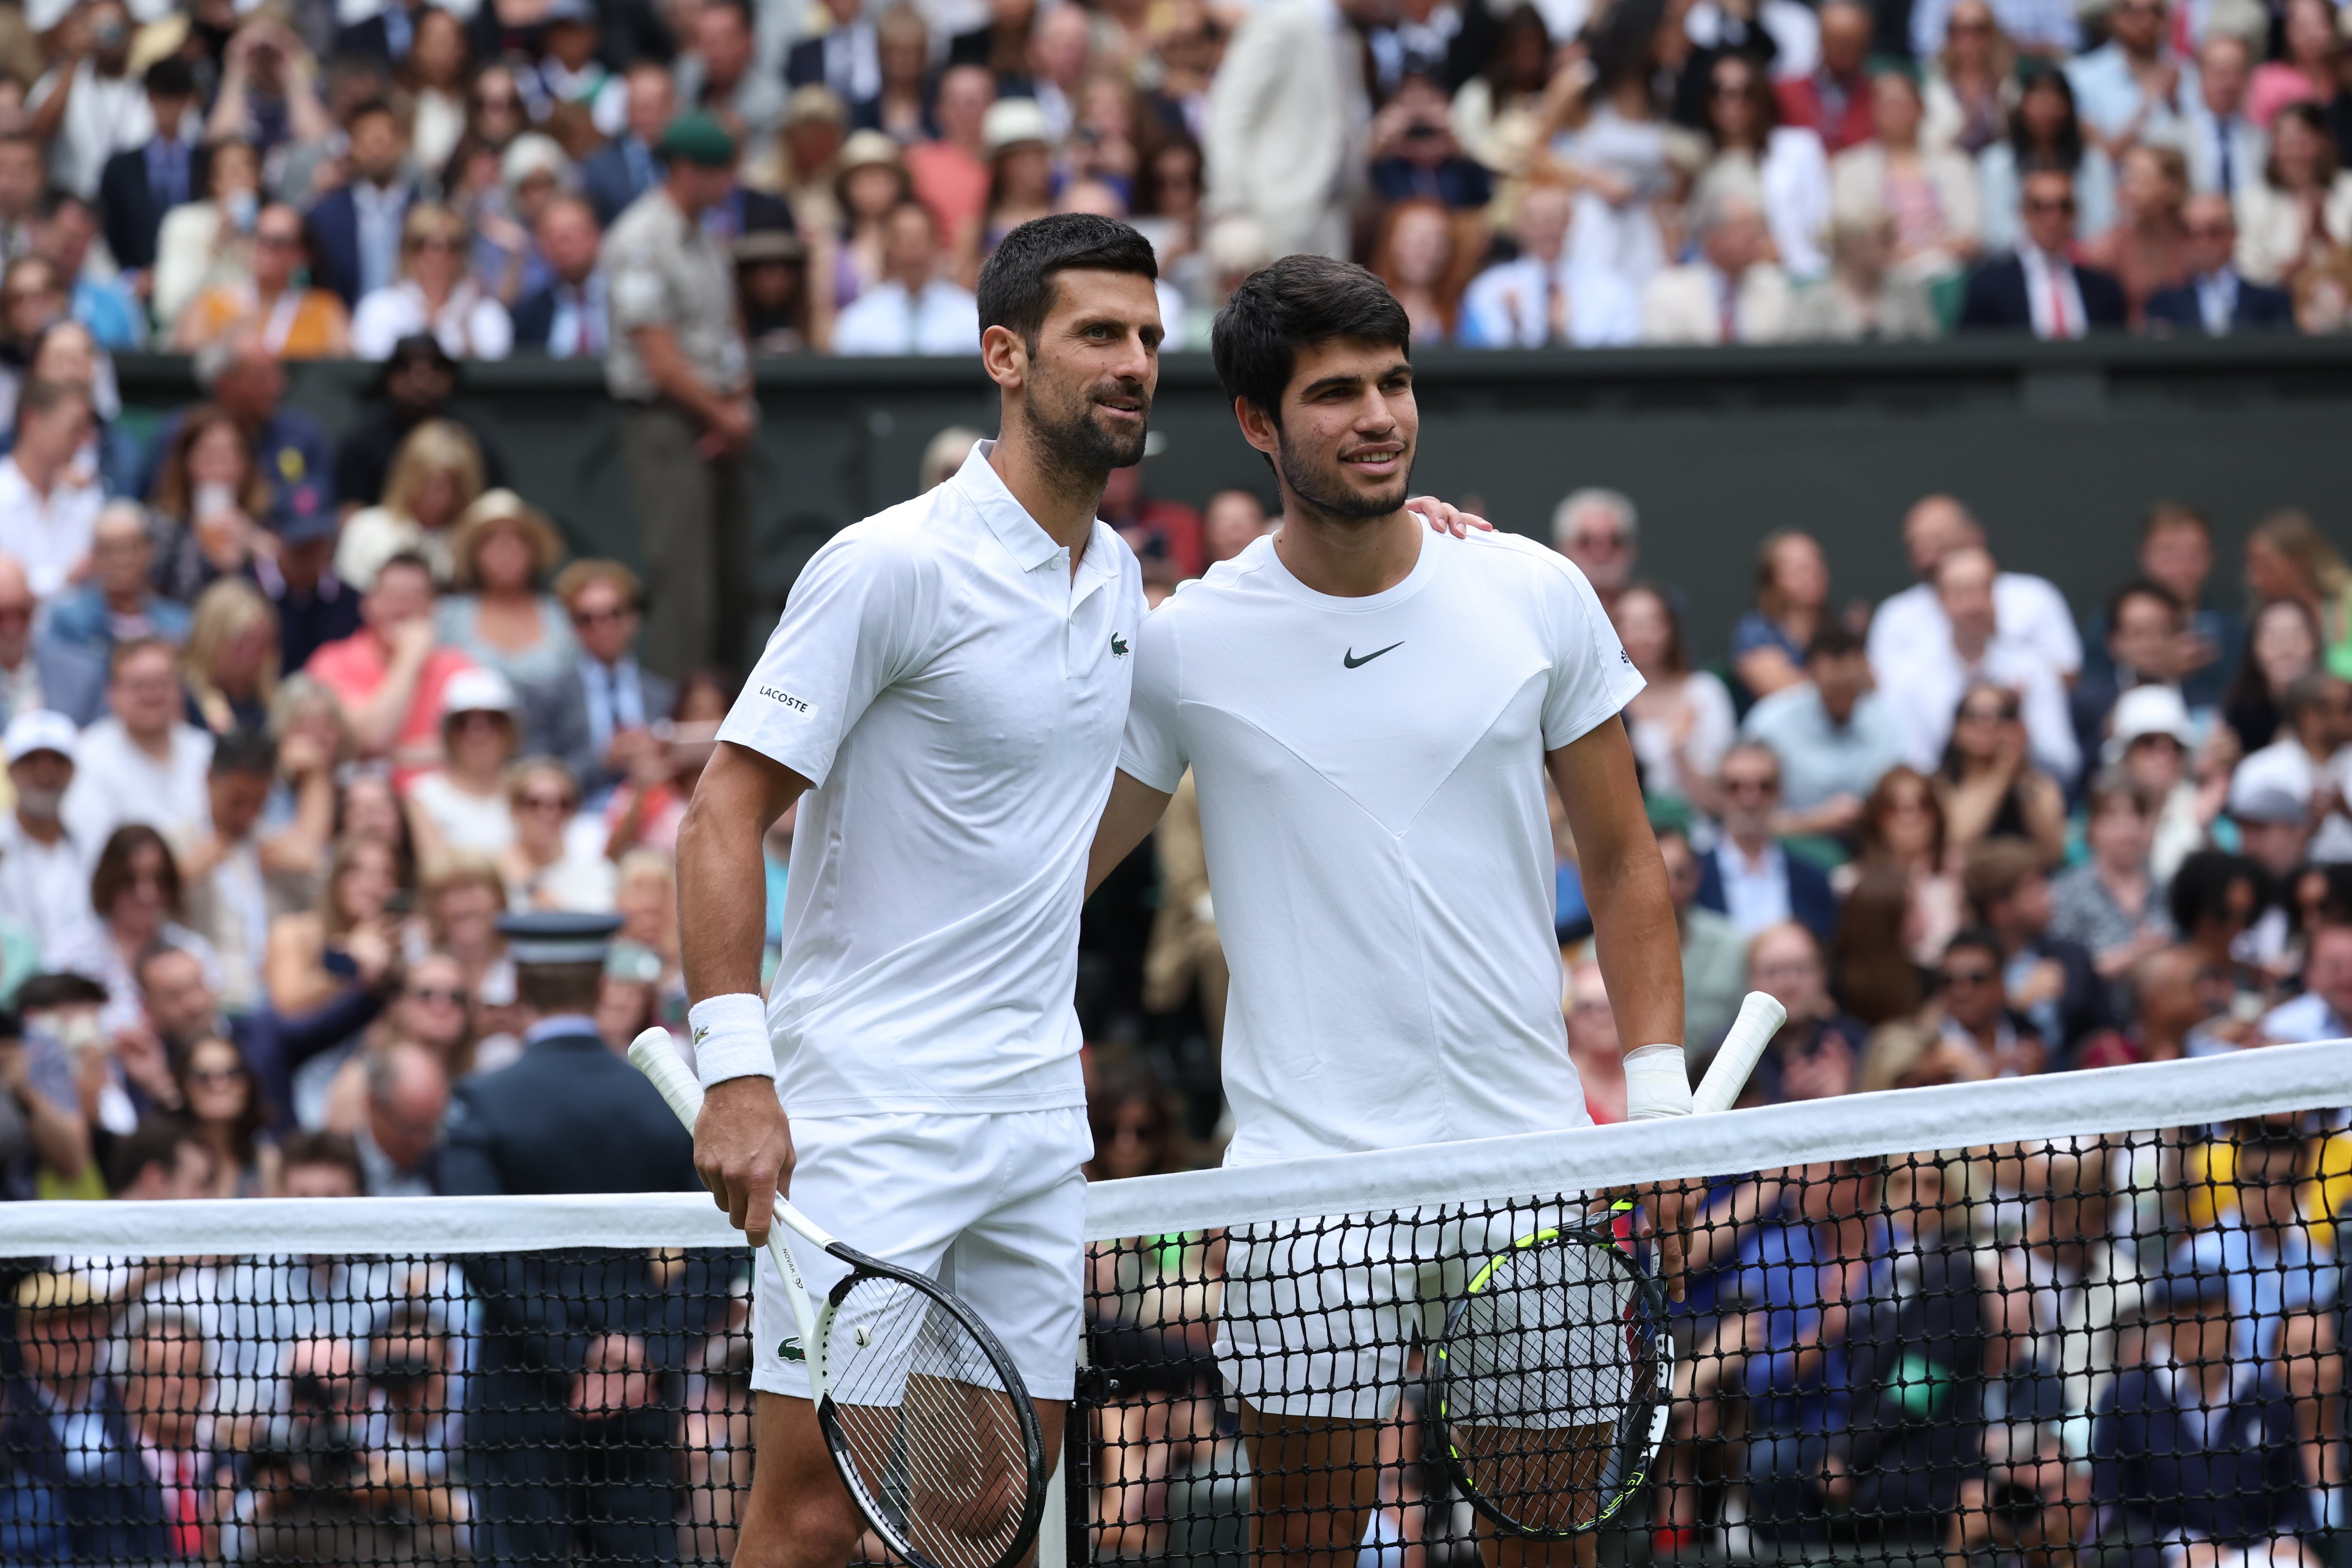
(1968, 977)
(1611, 540)
(451, 994)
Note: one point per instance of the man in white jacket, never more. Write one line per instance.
(1290, 123)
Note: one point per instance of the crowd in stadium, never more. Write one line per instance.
(1561, 171)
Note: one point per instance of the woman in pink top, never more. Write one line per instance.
(2307, 74)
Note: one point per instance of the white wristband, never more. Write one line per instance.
(1657, 1083)
(730, 1038)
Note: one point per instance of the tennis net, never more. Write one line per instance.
(2025, 1319)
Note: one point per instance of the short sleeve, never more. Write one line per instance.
(847, 632)
(1153, 753)
(636, 295)
(1592, 677)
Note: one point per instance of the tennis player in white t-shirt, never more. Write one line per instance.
(1369, 713)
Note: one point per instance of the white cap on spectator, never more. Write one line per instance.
(2146, 710)
(1012, 121)
(478, 691)
(40, 730)
(533, 152)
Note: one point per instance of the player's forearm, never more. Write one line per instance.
(1640, 952)
(1133, 810)
(722, 901)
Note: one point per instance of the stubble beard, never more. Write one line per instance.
(1326, 494)
(1069, 439)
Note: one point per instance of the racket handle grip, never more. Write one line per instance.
(1760, 1017)
(652, 1054)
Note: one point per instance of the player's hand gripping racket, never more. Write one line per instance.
(1550, 1381)
(927, 1419)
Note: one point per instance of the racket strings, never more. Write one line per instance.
(929, 1427)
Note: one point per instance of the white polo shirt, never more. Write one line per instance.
(956, 698)
(1373, 804)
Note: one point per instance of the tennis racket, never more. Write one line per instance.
(1550, 1381)
(926, 1416)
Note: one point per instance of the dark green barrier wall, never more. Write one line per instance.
(2060, 448)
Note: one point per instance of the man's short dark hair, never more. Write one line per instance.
(366, 106)
(48, 396)
(334, 1149)
(1016, 287)
(2313, 689)
(154, 1141)
(1299, 303)
(47, 993)
(549, 989)
(405, 560)
(2144, 588)
(1975, 939)
(171, 77)
(249, 752)
(1835, 640)
(57, 198)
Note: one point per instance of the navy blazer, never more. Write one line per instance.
(110, 1508)
(556, 721)
(1811, 903)
(72, 681)
(2259, 309)
(2152, 1474)
(128, 210)
(569, 1115)
(609, 183)
(334, 226)
(1996, 300)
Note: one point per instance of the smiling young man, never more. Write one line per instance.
(1370, 710)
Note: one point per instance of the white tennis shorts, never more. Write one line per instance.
(992, 1206)
(1320, 1316)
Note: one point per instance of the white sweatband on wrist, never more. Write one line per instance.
(1657, 1083)
(730, 1038)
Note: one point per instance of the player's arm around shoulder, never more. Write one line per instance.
(1150, 755)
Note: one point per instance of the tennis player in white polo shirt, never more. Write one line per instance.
(1369, 714)
(944, 695)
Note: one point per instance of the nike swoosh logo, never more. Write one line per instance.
(1351, 661)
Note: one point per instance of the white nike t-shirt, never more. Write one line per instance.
(1371, 773)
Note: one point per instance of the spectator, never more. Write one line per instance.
(2133, 88)
(2309, 761)
(548, 865)
(2147, 645)
(1416, 253)
(1981, 649)
(1289, 124)
(2112, 905)
(951, 174)
(1864, 297)
(21, 182)
(436, 475)
(1540, 297)
(225, 1108)
(2051, 982)
(567, 319)
(462, 805)
(181, 1007)
(680, 363)
(1792, 589)
(312, 606)
(1834, 736)
(136, 893)
(2044, 132)
(297, 322)
(268, 93)
(1735, 293)
(596, 717)
(1600, 531)
(146, 179)
(2288, 558)
(2213, 300)
(114, 604)
(1715, 955)
(103, 1505)
(2176, 553)
(2226, 150)
(2301, 209)
(1415, 155)
(38, 672)
(1749, 877)
(434, 77)
(2305, 72)
(433, 294)
(2147, 249)
(568, 74)
(2281, 645)
(311, 948)
(1930, 191)
(1903, 829)
(47, 505)
(871, 184)
(242, 377)
(165, 1361)
(1969, 1034)
(2324, 1011)
(2038, 287)
(913, 310)
(407, 1096)
(1785, 162)
(844, 57)
(208, 242)
(44, 881)
(773, 289)
(1232, 519)
(716, 74)
(2150, 740)
(533, 172)
(495, 120)
(1592, 1046)
(230, 663)
(88, 107)
(1834, 99)
(1875, 977)
(232, 873)
(320, 1165)
(1813, 1055)
(503, 551)
(98, 300)
(1990, 782)
(2215, 898)
(801, 166)
(1681, 721)
(144, 764)
(627, 166)
(1969, 73)
(391, 674)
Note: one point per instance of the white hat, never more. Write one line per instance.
(2146, 710)
(477, 691)
(40, 730)
(1012, 121)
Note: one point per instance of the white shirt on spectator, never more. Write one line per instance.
(104, 115)
(1663, 747)
(377, 213)
(1755, 892)
(2052, 295)
(2306, 1018)
(2029, 23)
(1527, 304)
(935, 663)
(1932, 679)
(51, 536)
(2284, 765)
(44, 888)
(469, 324)
(887, 319)
(2108, 96)
(479, 823)
(116, 783)
(1820, 758)
(1372, 781)
(2030, 610)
